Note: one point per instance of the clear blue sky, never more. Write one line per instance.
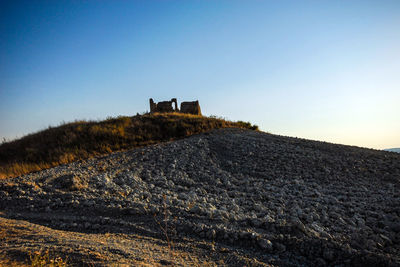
(323, 70)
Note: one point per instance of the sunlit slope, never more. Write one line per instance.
(81, 140)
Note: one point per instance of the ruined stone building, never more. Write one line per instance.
(192, 107)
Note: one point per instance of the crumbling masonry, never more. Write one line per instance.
(192, 107)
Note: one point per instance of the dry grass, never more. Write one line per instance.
(36, 259)
(44, 259)
(27, 244)
(6, 262)
(84, 139)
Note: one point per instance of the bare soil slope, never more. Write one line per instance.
(232, 196)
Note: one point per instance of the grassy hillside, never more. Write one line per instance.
(82, 139)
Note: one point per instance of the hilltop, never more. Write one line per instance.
(84, 139)
(230, 197)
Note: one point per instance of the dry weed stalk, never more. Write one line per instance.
(167, 229)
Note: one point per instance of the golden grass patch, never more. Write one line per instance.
(84, 139)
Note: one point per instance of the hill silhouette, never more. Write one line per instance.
(84, 139)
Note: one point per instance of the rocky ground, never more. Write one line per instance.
(230, 197)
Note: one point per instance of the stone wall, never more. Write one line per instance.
(163, 106)
(192, 107)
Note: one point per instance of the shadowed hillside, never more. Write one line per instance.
(82, 139)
